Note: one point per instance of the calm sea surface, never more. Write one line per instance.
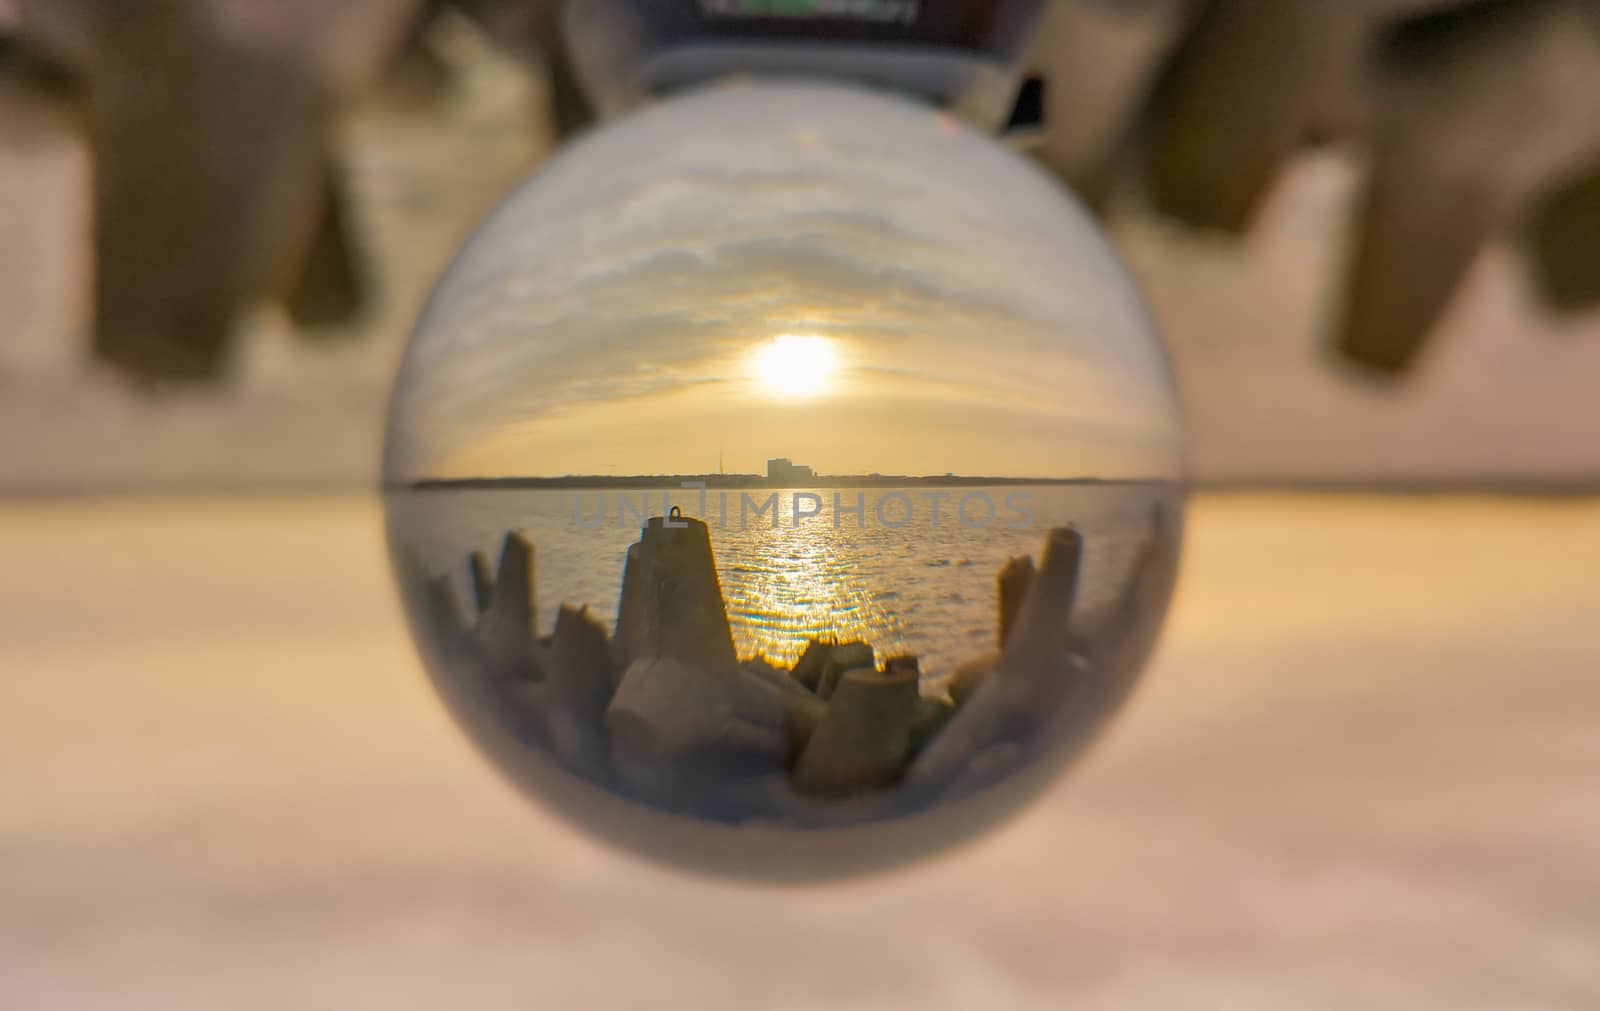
(897, 575)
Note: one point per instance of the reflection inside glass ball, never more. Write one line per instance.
(785, 482)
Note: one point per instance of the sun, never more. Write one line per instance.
(795, 366)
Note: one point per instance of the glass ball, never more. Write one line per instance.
(785, 482)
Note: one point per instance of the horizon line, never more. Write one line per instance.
(676, 481)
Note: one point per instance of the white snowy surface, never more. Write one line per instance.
(1361, 773)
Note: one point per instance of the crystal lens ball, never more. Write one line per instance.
(785, 482)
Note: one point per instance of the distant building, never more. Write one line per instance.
(782, 470)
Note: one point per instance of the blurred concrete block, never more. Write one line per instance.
(482, 581)
(445, 617)
(1564, 241)
(1097, 62)
(329, 288)
(1251, 83)
(508, 630)
(209, 165)
(1478, 111)
(211, 122)
(45, 219)
(533, 31)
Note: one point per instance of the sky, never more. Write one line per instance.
(847, 280)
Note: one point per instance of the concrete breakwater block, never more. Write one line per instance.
(515, 595)
(930, 712)
(822, 662)
(808, 669)
(482, 581)
(579, 741)
(986, 768)
(671, 604)
(864, 737)
(1039, 633)
(507, 632)
(802, 710)
(999, 710)
(928, 717)
(1136, 616)
(444, 611)
(1012, 585)
(1155, 568)
(577, 665)
(842, 657)
(565, 708)
(441, 612)
(684, 713)
(969, 675)
(904, 663)
(1029, 679)
(766, 670)
(673, 723)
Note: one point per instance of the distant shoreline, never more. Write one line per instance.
(595, 482)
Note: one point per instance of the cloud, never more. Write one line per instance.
(648, 269)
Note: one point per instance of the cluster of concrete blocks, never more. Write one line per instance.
(663, 707)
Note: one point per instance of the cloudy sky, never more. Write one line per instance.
(855, 283)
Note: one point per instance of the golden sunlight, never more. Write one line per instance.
(795, 366)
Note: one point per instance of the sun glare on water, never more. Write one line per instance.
(795, 366)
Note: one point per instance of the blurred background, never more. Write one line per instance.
(1367, 230)
(1362, 773)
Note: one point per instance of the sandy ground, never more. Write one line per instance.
(1362, 773)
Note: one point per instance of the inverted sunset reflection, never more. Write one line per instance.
(785, 507)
